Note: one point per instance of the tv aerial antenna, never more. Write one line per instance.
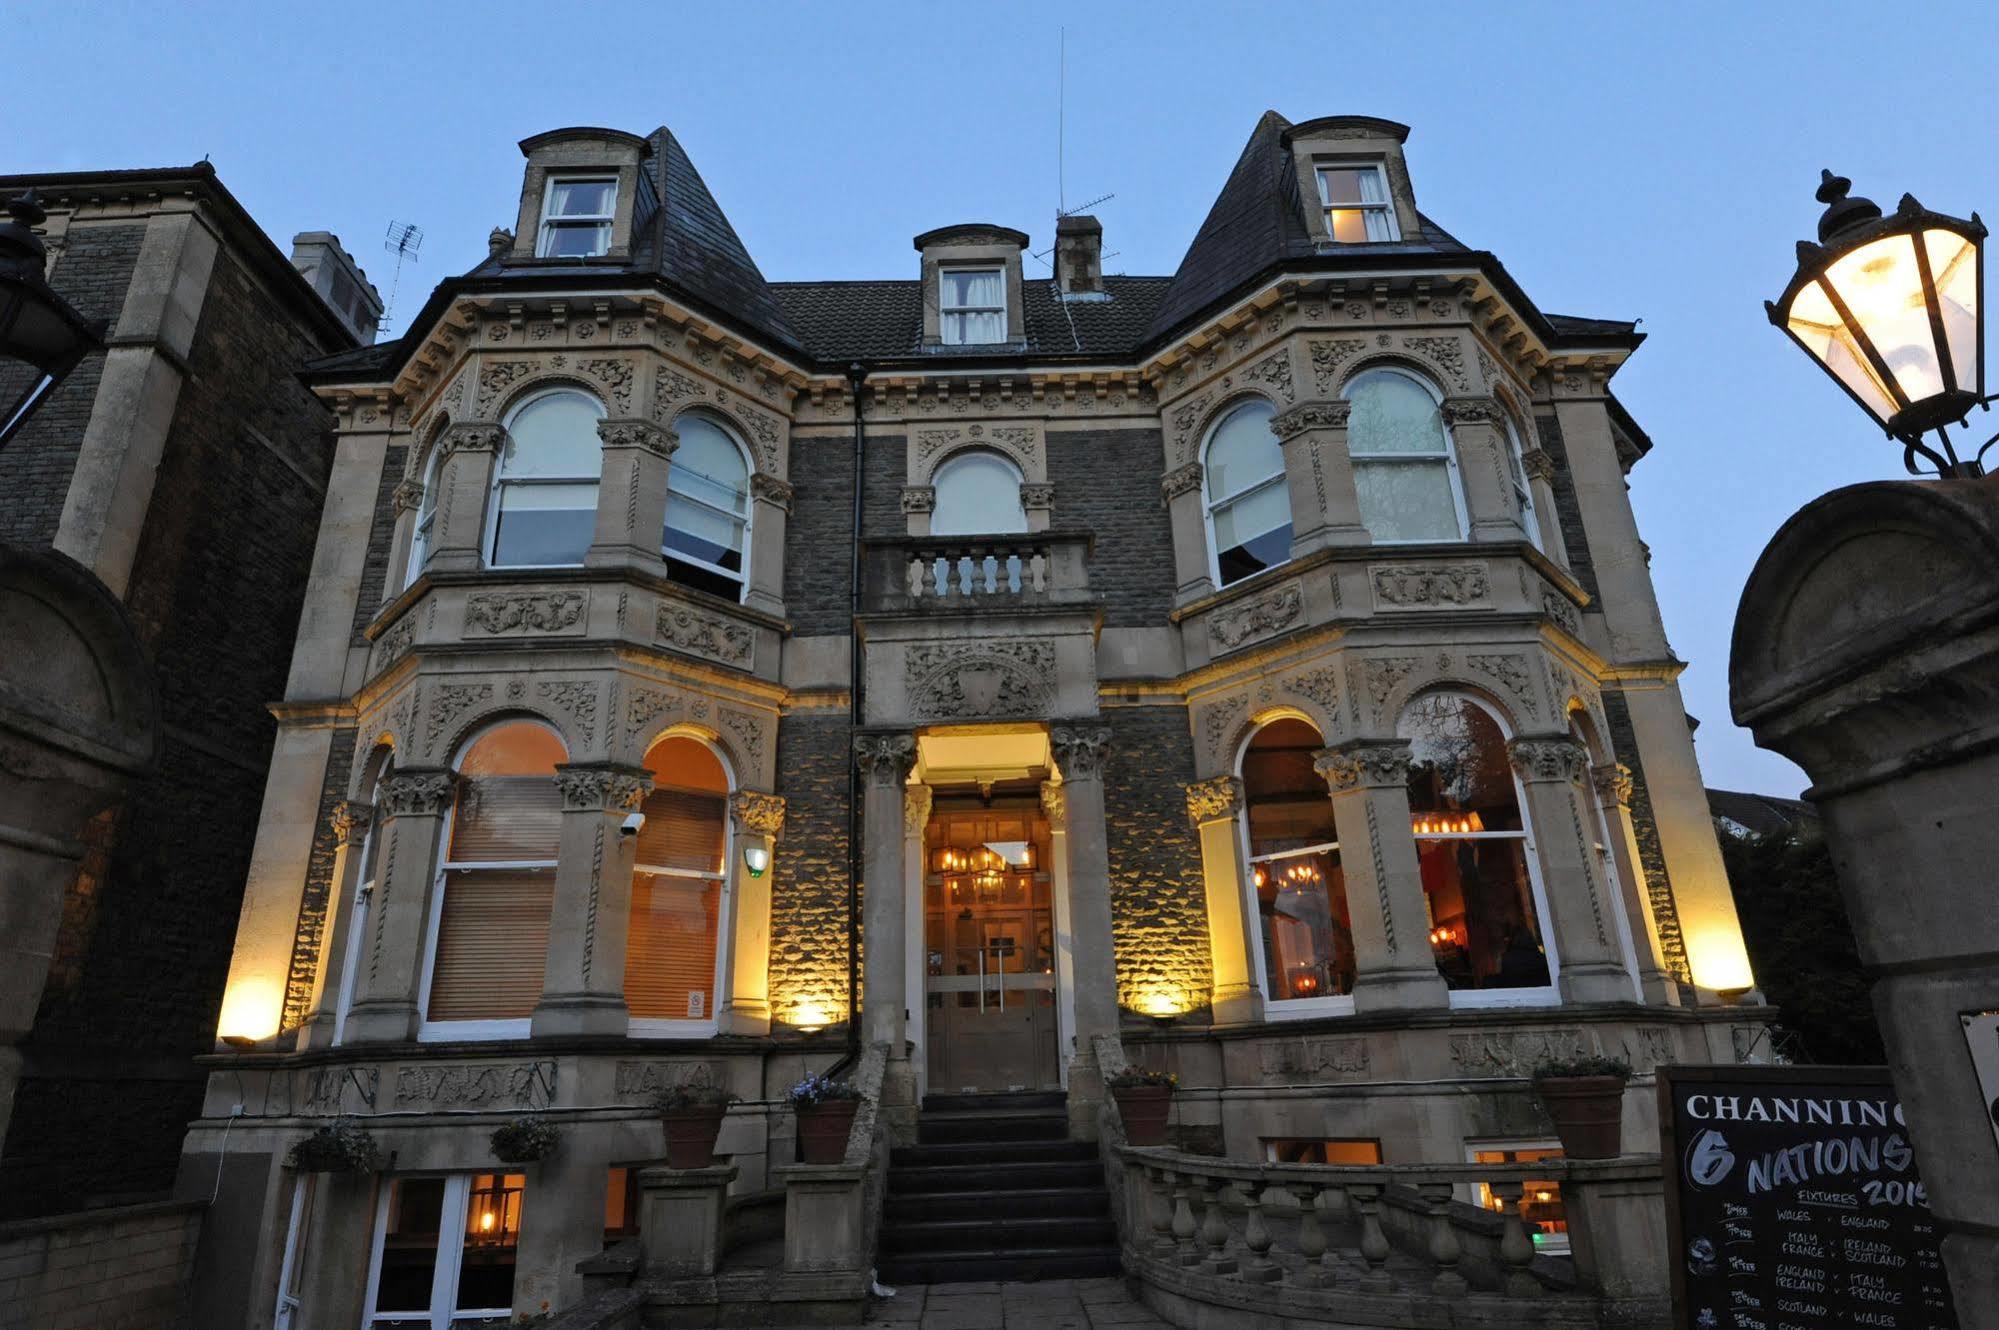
(404, 240)
(1062, 208)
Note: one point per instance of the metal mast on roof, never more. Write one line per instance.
(404, 240)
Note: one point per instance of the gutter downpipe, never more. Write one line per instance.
(856, 694)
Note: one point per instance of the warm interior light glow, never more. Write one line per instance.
(1447, 824)
(756, 858)
(250, 1011)
(486, 1222)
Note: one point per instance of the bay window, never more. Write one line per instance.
(676, 913)
(1485, 917)
(707, 539)
(1405, 470)
(1249, 508)
(544, 510)
(489, 939)
(971, 306)
(444, 1252)
(1303, 929)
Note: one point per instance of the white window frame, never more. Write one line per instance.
(1550, 994)
(423, 527)
(1210, 505)
(1610, 883)
(747, 517)
(1368, 211)
(944, 312)
(1521, 484)
(1277, 1009)
(549, 225)
(1449, 455)
(428, 1030)
(496, 492)
(364, 895)
(660, 1027)
(1468, 1192)
(450, 1252)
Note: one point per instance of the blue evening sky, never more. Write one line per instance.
(1624, 163)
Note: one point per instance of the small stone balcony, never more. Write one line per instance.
(976, 574)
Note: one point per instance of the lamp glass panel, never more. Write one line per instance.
(1814, 322)
(1883, 289)
(1954, 266)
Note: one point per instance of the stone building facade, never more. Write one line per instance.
(1256, 670)
(181, 467)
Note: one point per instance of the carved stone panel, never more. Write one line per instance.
(957, 681)
(487, 1085)
(1512, 1052)
(1441, 586)
(1254, 620)
(706, 635)
(524, 613)
(1314, 1059)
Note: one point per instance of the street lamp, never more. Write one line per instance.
(36, 325)
(1889, 307)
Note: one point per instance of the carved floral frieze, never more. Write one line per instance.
(963, 680)
(705, 635)
(1422, 585)
(492, 1085)
(1210, 799)
(758, 813)
(1254, 620)
(499, 612)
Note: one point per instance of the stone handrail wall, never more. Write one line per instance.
(958, 572)
(129, 1265)
(1389, 1244)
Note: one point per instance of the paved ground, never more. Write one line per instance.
(1055, 1304)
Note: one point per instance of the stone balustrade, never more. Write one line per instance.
(979, 573)
(1389, 1245)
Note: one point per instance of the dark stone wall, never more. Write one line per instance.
(1158, 902)
(375, 570)
(808, 912)
(818, 544)
(216, 587)
(36, 464)
(1645, 829)
(1574, 543)
(1106, 481)
(318, 891)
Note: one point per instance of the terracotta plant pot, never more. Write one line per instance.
(823, 1130)
(690, 1136)
(1144, 1109)
(1588, 1113)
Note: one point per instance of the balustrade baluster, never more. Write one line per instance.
(1516, 1245)
(1184, 1228)
(1259, 1269)
(1159, 1196)
(1312, 1242)
(1364, 1199)
(1445, 1250)
(1035, 574)
(1215, 1228)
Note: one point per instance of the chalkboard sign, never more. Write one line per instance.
(1793, 1202)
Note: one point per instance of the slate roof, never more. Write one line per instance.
(1761, 814)
(884, 319)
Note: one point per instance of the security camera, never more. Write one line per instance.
(630, 826)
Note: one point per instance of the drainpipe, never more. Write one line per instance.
(856, 689)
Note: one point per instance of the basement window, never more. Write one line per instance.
(576, 219)
(1356, 202)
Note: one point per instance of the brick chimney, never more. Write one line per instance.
(324, 262)
(1079, 258)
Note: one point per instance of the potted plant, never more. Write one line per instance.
(1144, 1098)
(825, 1109)
(1584, 1097)
(338, 1147)
(691, 1114)
(525, 1140)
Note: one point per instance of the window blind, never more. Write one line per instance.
(670, 958)
(502, 818)
(682, 830)
(492, 945)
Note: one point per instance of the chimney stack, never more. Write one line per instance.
(325, 263)
(1079, 258)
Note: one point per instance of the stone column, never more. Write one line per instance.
(1038, 502)
(916, 801)
(1318, 476)
(1181, 490)
(759, 820)
(1551, 769)
(389, 977)
(1212, 806)
(351, 822)
(583, 986)
(1079, 756)
(1478, 430)
(1055, 807)
(886, 760)
(1613, 801)
(770, 511)
(1394, 968)
(1540, 469)
(465, 481)
(631, 494)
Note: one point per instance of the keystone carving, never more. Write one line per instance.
(1556, 758)
(417, 793)
(1381, 766)
(758, 813)
(1080, 753)
(1462, 584)
(704, 635)
(632, 432)
(610, 789)
(524, 611)
(1210, 799)
(886, 759)
(1232, 627)
(1311, 415)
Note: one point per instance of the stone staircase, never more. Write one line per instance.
(995, 1189)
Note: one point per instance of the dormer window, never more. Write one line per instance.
(971, 307)
(1356, 202)
(576, 218)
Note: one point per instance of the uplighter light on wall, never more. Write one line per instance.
(756, 858)
(1719, 962)
(250, 1012)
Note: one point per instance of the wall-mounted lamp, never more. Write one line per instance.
(756, 858)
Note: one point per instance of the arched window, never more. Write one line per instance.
(670, 961)
(1523, 493)
(490, 944)
(1249, 510)
(978, 494)
(1485, 921)
(707, 543)
(1294, 859)
(545, 486)
(426, 515)
(1404, 469)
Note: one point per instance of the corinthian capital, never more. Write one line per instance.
(1310, 415)
(635, 432)
(771, 490)
(1372, 766)
(349, 821)
(408, 495)
(1183, 480)
(1210, 799)
(1472, 411)
(886, 759)
(417, 793)
(758, 813)
(1613, 784)
(604, 787)
(470, 439)
(1080, 753)
(1553, 757)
